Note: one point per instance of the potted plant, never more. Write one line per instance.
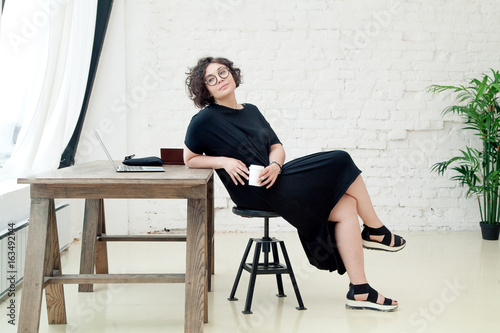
(478, 170)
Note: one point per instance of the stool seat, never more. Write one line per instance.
(253, 212)
(264, 246)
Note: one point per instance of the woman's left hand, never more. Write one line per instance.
(269, 175)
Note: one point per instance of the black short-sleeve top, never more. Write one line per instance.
(243, 134)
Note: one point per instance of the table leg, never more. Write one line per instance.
(196, 272)
(89, 234)
(101, 254)
(31, 299)
(210, 232)
(54, 293)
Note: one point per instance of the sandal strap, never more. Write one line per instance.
(382, 231)
(360, 288)
(387, 239)
(357, 289)
(365, 288)
(387, 301)
(377, 231)
(398, 240)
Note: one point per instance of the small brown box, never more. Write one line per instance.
(173, 156)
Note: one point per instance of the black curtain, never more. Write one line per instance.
(101, 25)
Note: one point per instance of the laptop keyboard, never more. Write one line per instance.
(132, 167)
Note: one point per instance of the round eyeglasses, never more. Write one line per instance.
(212, 80)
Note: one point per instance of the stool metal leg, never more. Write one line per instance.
(279, 280)
(253, 277)
(292, 277)
(240, 270)
(265, 247)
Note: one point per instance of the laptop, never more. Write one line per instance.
(127, 168)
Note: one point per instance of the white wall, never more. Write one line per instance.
(327, 75)
(14, 203)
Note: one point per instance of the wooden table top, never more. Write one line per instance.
(101, 172)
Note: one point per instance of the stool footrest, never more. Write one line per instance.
(272, 268)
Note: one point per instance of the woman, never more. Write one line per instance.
(320, 194)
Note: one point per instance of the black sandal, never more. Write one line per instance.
(371, 300)
(385, 244)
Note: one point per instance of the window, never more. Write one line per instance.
(9, 129)
(11, 120)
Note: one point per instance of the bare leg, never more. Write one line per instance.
(348, 239)
(365, 207)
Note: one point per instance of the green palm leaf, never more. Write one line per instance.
(477, 170)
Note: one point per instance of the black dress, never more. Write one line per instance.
(305, 192)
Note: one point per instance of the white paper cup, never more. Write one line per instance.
(255, 171)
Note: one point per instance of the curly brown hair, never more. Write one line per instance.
(195, 82)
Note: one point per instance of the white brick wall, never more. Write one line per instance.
(328, 75)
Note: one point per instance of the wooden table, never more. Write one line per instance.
(94, 182)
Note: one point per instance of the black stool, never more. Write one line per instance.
(265, 245)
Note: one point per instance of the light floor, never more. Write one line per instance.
(444, 282)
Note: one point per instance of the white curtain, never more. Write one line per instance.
(45, 52)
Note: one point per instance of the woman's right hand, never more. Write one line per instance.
(236, 169)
